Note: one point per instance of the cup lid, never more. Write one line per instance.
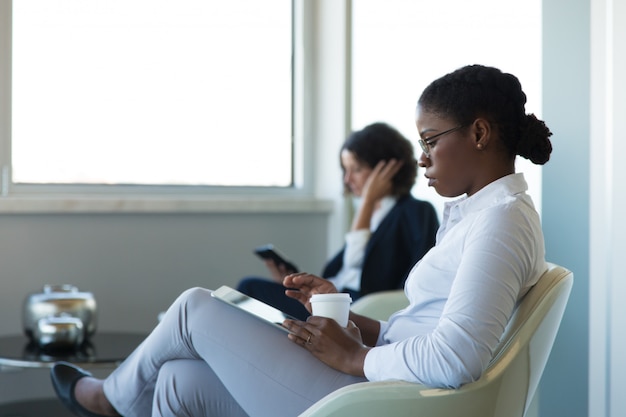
(340, 296)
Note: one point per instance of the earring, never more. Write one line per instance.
(479, 146)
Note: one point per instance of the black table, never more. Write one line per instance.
(104, 349)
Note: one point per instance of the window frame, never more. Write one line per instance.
(301, 167)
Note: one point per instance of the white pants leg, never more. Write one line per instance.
(181, 391)
(261, 369)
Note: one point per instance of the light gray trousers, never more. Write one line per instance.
(206, 358)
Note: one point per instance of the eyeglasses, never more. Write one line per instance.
(425, 144)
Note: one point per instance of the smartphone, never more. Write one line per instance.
(270, 252)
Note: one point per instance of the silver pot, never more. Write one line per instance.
(60, 331)
(60, 314)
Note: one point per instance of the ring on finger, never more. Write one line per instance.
(308, 339)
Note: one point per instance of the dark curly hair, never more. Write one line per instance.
(380, 142)
(478, 91)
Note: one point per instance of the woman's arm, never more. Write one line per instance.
(369, 328)
(378, 185)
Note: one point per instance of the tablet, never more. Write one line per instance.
(252, 306)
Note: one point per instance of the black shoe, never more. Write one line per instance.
(64, 377)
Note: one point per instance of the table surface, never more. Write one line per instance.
(103, 349)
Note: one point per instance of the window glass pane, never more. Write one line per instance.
(402, 45)
(152, 92)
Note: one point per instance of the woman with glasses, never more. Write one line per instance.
(205, 358)
(391, 229)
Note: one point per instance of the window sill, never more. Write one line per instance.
(168, 204)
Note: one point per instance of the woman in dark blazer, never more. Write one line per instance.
(402, 238)
(391, 230)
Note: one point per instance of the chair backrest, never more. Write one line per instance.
(529, 336)
(505, 389)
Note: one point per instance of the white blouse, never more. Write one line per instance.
(489, 252)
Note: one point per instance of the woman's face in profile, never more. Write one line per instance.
(449, 168)
(355, 172)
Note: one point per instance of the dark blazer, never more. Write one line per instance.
(406, 233)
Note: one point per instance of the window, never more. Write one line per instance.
(400, 46)
(151, 92)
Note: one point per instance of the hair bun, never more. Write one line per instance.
(535, 144)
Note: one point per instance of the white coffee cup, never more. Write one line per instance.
(334, 306)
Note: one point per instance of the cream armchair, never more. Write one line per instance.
(506, 387)
(380, 305)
